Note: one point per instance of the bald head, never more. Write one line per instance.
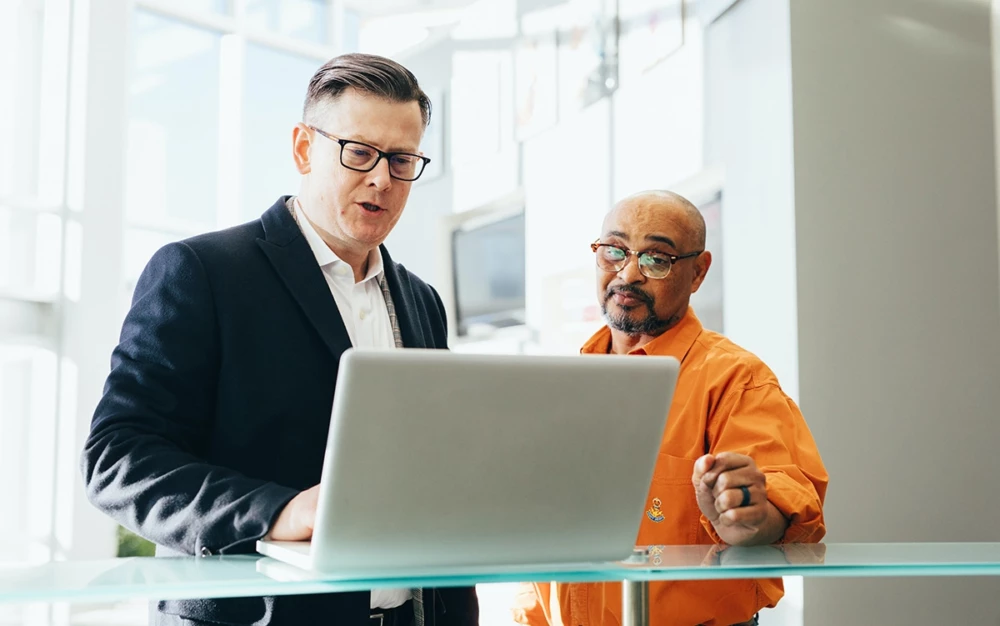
(660, 205)
(665, 234)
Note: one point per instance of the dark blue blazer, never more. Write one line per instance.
(217, 407)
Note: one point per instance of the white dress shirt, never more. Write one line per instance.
(362, 307)
(361, 304)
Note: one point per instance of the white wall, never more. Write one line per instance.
(650, 136)
(658, 133)
(414, 240)
(898, 303)
(748, 137)
(563, 213)
(883, 251)
(748, 134)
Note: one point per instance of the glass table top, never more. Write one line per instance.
(255, 575)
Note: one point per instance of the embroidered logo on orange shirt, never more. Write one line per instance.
(654, 513)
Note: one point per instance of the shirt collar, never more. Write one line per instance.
(675, 342)
(324, 255)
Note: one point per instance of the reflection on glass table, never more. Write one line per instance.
(253, 575)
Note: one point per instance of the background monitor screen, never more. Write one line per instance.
(488, 266)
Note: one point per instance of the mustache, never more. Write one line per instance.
(631, 290)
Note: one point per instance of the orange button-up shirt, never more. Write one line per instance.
(726, 400)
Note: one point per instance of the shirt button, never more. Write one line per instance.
(363, 314)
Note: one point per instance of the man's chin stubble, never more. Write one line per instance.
(650, 325)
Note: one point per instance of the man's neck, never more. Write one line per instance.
(622, 343)
(360, 266)
(357, 259)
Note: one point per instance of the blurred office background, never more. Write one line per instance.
(843, 153)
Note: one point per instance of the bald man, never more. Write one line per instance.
(737, 463)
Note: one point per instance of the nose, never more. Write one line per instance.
(630, 274)
(379, 176)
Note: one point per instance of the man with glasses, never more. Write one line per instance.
(212, 429)
(737, 464)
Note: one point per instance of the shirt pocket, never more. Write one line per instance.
(671, 516)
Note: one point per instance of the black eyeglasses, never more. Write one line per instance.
(652, 264)
(361, 157)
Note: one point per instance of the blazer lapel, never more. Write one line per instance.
(402, 299)
(293, 260)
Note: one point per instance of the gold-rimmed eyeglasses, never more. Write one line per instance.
(652, 263)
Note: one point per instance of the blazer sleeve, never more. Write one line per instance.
(143, 461)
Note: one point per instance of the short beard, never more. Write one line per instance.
(648, 325)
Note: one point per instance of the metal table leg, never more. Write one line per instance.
(635, 603)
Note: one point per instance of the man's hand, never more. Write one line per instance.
(718, 482)
(297, 519)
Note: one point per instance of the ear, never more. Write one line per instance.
(701, 265)
(302, 137)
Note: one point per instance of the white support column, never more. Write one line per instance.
(91, 312)
(899, 324)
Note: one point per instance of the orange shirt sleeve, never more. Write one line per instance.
(759, 420)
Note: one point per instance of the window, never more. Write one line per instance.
(34, 49)
(201, 6)
(30, 253)
(210, 120)
(173, 130)
(303, 19)
(272, 104)
(194, 77)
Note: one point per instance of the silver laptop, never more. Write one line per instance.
(457, 461)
